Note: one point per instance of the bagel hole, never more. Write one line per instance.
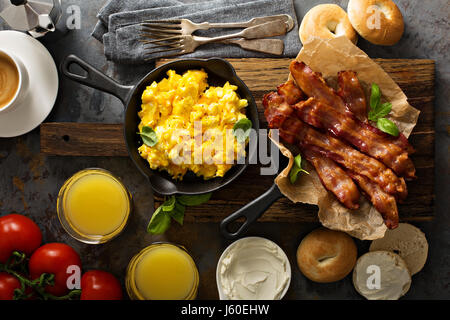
(325, 258)
(332, 25)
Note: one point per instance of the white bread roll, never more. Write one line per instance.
(378, 21)
(394, 279)
(408, 242)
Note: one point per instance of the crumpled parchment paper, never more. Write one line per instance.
(329, 56)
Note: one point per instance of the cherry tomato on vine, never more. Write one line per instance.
(8, 283)
(100, 285)
(54, 258)
(18, 233)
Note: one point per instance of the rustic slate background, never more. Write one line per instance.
(29, 182)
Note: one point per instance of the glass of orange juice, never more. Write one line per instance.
(93, 206)
(162, 271)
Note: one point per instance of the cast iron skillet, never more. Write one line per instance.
(219, 71)
(254, 209)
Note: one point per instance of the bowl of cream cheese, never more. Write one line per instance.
(253, 268)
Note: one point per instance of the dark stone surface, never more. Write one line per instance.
(29, 182)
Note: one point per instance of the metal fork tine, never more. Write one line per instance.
(163, 21)
(157, 45)
(157, 35)
(159, 28)
(160, 31)
(162, 25)
(162, 43)
(171, 40)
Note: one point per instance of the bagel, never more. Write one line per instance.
(381, 275)
(326, 256)
(378, 21)
(326, 21)
(409, 242)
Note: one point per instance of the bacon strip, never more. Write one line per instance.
(383, 202)
(323, 116)
(354, 160)
(334, 178)
(290, 92)
(315, 86)
(352, 94)
(350, 98)
(343, 114)
(293, 130)
(400, 141)
(277, 111)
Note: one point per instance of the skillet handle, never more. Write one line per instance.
(251, 212)
(94, 78)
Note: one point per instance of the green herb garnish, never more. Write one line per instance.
(388, 126)
(194, 200)
(159, 222)
(375, 96)
(174, 208)
(148, 136)
(242, 129)
(296, 169)
(169, 204)
(177, 213)
(378, 111)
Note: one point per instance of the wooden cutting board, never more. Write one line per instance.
(415, 77)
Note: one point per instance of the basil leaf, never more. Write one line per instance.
(382, 111)
(241, 129)
(169, 204)
(375, 96)
(293, 174)
(178, 212)
(388, 126)
(298, 161)
(296, 169)
(159, 223)
(148, 136)
(194, 200)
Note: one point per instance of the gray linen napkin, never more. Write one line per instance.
(122, 42)
(115, 6)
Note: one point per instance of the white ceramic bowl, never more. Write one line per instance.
(222, 296)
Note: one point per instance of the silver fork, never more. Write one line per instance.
(270, 46)
(186, 44)
(164, 28)
(182, 44)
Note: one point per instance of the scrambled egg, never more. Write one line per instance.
(193, 123)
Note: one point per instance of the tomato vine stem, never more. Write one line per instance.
(17, 260)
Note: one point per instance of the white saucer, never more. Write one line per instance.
(43, 88)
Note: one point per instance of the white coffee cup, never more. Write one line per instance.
(23, 85)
